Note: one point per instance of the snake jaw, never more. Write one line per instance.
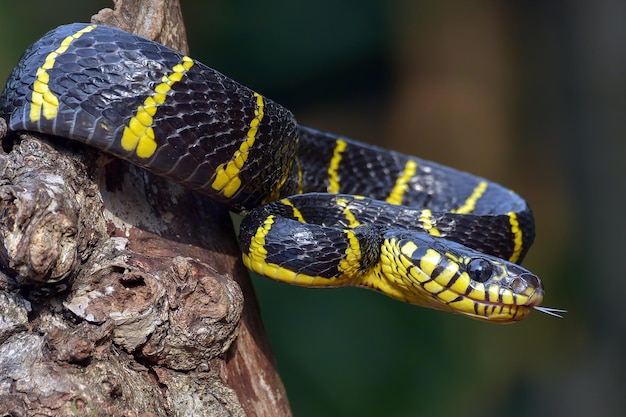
(472, 284)
(511, 294)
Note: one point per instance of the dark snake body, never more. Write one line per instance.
(341, 212)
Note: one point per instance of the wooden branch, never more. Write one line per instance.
(122, 293)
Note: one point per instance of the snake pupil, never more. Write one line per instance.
(479, 269)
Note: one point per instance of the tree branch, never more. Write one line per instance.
(122, 293)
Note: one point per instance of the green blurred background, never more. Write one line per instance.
(529, 94)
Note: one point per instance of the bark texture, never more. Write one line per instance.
(121, 293)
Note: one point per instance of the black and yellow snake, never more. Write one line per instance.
(321, 210)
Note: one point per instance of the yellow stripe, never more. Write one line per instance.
(517, 237)
(279, 273)
(469, 204)
(428, 224)
(333, 176)
(256, 261)
(294, 209)
(350, 264)
(227, 175)
(400, 187)
(43, 100)
(350, 217)
(257, 244)
(138, 135)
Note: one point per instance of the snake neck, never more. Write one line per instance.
(370, 239)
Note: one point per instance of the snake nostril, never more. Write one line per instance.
(525, 281)
(531, 280)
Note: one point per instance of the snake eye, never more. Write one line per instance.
(479, 269)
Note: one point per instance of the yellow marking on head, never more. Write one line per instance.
(428, 223)
(470, 203)
(43, 101)
(398, 277)
(459, 286)
(138, 135)
(476, 292)
(464, 304)
(347, 213)
(405, 280)
(401, 186)
(518, 240)
(493, 292)
(439, 285)
(432, 287)
(429, 261)
(447, 273)
(333, 176)
(456, 258)
(507, 296)
(294, 209)
(446, 296)
(227, 174)
(427, 264)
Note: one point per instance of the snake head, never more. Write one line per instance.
(448, 276)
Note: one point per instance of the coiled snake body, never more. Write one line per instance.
(322, 210)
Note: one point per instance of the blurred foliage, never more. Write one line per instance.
(557, 129)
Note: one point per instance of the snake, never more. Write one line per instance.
(320, 210)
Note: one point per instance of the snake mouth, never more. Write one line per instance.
(508, 306)
(505, 313)
(510, 298)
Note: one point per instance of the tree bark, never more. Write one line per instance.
(121, 293)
